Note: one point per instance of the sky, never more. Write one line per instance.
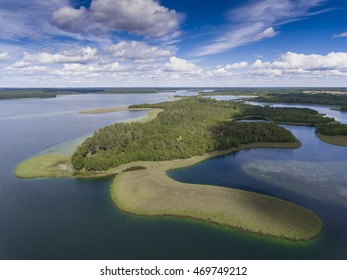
(173, 43)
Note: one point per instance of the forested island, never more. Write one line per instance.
(338, 101)
(19, 93)
(181, 133)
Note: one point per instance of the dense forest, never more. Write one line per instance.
(185, 128)
(42, 93)
(333, 129)
(284, 115)
(13, 93)
(304, 98)
(264, 92)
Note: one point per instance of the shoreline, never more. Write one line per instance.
(112, 109)
(339, 140)
(50, 161)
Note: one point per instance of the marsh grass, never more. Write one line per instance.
(45, 166)
(339, 140)
(150, 192)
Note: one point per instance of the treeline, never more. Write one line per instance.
(333, 129)
(304, 98)
(188, 127)
(284, 115)
(43, 93)
(13, 93)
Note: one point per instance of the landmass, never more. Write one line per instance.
(333, 133)
(182, 133)
(19, 93)
(337, 98)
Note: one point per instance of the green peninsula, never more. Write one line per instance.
(333, 133)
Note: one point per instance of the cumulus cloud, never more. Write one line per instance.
(19, 65)
(239, 65)
(254, 21)
(228, 69)
(294, 64)
(341, 35)
(289, 60)
(181, 65)
(31, 69)
(4, 56)
(94, 70)
(138, 51)
(141, 17)
(77, 55)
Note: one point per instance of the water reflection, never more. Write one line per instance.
(320, 180)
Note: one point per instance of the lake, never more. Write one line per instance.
(76, 218)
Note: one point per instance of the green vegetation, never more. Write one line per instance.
(13, 93)
(112, 109)
(104, 110)
(334, 133)
(150, 192)
(333, 129)
(334, 140)
(188, 127)
(45, 166)
(339, 108)
(43, 93)
(305, 98)
(284, 115)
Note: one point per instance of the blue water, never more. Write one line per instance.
(76, 218)
(313, 176)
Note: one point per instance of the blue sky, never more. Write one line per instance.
(117, 43)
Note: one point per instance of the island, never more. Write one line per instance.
(178, 134)
(335, 98)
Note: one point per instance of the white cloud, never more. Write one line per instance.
(181, 65)
(4, 56)
(27, 68)
(341, 35)
(331, 61)
(289, 69)
(138, 51)
(94, 70)
(72, 56)
(254, 21)
(314, 65)
(267, 33)
(19, 65)
(239, 65)
(227, 70)
(142, 17)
